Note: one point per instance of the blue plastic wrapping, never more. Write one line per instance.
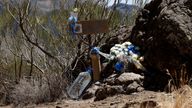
(119, 66)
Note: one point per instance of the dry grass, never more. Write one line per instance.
(181, 98)
(30, 91)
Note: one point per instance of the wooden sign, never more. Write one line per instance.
(92, 27)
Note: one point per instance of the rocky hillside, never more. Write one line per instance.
(125, 8)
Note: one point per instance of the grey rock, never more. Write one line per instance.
(111, 79)
(107, 90)
(90, 92)
(87, 95)
(100, 94)
(127, 78)
(140, 89)
(97, 83)
(149, 104)
(131, 88)
(123, 105)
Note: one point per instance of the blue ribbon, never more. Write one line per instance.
(119, 66)
(95, 50)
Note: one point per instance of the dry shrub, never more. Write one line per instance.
(31, 91)
(57, 85)
(2, 97)
(179, 77)
(26, 93)
(5, 88)
(183, 98)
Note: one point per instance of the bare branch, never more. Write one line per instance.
(38, 46)
(12, 14)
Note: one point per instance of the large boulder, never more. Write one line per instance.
(163, 31)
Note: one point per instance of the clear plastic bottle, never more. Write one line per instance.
(79, 85)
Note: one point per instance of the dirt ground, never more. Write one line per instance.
(117, 101)
(155, 99)
(146, 99)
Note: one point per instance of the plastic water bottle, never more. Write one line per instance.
(79, 85)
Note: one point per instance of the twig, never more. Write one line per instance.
(20, 67)
(31, 70)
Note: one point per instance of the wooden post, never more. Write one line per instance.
(96, 66)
